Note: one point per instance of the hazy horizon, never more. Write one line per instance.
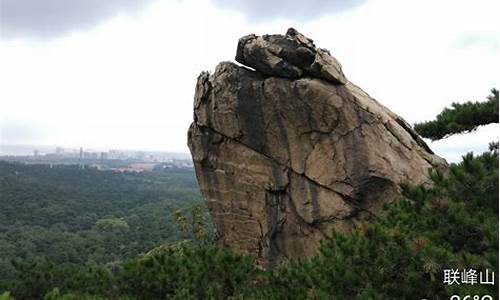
(27, 149)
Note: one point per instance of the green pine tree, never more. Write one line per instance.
(461, 117)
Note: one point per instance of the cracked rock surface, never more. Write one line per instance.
(287, 149)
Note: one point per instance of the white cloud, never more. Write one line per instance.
(52, 18)
(130, 82)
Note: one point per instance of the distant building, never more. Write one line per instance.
(104, 155)
(115, 154)
(59, 150)
(90, 155)
(36, 153)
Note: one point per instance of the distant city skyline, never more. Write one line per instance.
(20, 149)
(114, 160)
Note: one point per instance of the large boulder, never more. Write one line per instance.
(289, 150)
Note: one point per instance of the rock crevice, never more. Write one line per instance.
(289, 150)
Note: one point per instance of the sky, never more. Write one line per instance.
(121, 73)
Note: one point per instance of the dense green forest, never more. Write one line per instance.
(70, 216)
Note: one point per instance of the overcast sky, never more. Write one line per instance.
(121, 73)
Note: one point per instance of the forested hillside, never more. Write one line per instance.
(66, 215)
(453, 225)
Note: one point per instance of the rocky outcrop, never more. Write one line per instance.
(286, 149)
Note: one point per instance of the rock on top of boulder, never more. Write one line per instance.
(291, 56)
